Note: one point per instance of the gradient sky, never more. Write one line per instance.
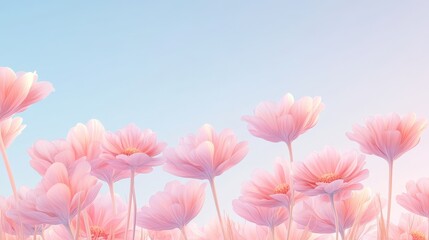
(173, 66)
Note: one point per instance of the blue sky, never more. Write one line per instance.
(173, 66)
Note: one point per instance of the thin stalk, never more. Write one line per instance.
(212, 186)
(8, 168)
(78, 220)
(130, 200)
(182, 229)
(289, 147)
(389, 199)
(273, 233)
(292, 201)
(87, 227)
(291, 205)
(135, 212)
(112, 195)
(69, 230)
(331, 198)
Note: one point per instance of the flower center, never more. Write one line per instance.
(130, 151)
(329, 177)
(282, 188)
(418, 236)
(98, 233)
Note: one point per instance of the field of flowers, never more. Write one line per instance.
(321, 197)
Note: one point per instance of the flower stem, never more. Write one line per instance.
(182, 229)
(112, 195)
(428, 227)
(389, 199)
(130, 200)
(8, 168)
(273, 233)
(135, 211)
(212, 186)
(289, 147)
(292, 191)
(331, 198)
(69, 230)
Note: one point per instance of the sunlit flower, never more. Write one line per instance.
(286, 120)
(330, 173)
(416, 199)
(388, 136)
(205, 155)
(19, 91)
(317, 215)
(264, 216)
(172, 208)
(9, 129)
(132, 149)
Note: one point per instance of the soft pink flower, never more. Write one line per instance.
(388, 136)
(9, 129)
(264, 216)
(416, 199)
(331, 173)
(10, 220)
(270, 189)
(317, 215)
(18, 92)
(61, 194)
(286, 120)
(132, 149)
(86, 140)
(103, 221)
(410, 227)
(173, 208)
(44, 153)
(205, 155)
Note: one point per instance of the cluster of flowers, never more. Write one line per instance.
(319, 198)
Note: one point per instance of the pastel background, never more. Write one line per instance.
(173, 66)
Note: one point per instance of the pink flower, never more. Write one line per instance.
(83, 142)
(132, 149)
(270, 190)
(286, 120)
(18, 92)
(44, 153)
(388, 136)
(416, 199)
(317, 215)
(173, 208)
(9, 129)
(61, 194)
(86, 140)
(10, 220)
(205, 155)
(410, 227)
(103, 221)
(331, 173)
(264, 216)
